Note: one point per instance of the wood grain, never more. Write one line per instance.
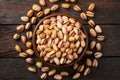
(16, 69)
(107, 11)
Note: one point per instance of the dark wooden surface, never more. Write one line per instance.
(107, 15)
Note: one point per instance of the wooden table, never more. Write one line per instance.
(107, 16)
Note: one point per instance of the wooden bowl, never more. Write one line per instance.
(35, 45)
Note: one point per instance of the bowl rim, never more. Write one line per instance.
(35, 45)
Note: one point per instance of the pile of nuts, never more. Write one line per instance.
(62, 39)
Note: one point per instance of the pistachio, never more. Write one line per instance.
(38, 32)
(78, 25)
(68, 61)
(73, 1)
(23, 39)
(91, 23)
(43, 41)
(45, 57)
(64, 54)
(72, 45)
(53, 19)
(72, 39)
(63, 49)
(70, 57)
(33, 20)
(56, 40)
(57, 77)
(59, 24)
(31, 69)
(42, 54)
(18, 48)
(49, 42)
(36, 7)
(47, 21)
(76, 8)
(24, 18)
(62, 60)
(64, 73)
(41, 27)
(92, 44)
(69, 28)
(95, 63)
(54, 7)
(87, 71)
(90, 14)
(46, 11)
(69, 51)
(76, 76)
(39, 64)
(81, 68)
(48, 49)
(59, 18)
(23, 55)
(28, 44)
(56, 60)
(30, 13)
(98, 54)
(55, 47)
(53, 1)
(91, 7)
(28, 25)
(45, 69)
(42, 47)
(42, 2)
(77, 44)
(98, 29)
(65, 38)
(50, 53)
(83, 43)
(52, 26)
(29, 60)
(54, 34)
(20, 28)
(99, 46)
(40, 14)
(51, 72)
(67, 44)
(80, 50)
(75, 55)
(89, 52)
(83, 16)
(72, 21)
(60, 34)
(75, 49)
(65, 19)
(30, 52)
(93, 33)
(100, 38)
(64, 30)
(43, 76)
(75, 66)
(66, 0)
(58, 54)
(88, 62)
(65, 5)
(29, 34)
(16, 36)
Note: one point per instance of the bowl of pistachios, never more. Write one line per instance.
(60, 40)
